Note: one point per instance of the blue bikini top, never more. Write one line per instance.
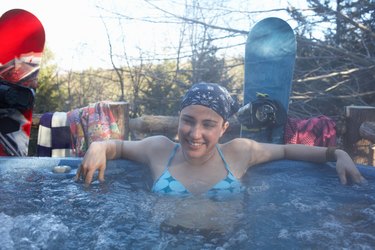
(167, 184)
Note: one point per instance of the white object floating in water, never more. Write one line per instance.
(61, 169)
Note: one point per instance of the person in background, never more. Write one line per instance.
(198, 164)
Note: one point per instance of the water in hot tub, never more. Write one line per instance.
(283, 207)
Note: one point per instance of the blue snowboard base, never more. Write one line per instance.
(269, 62)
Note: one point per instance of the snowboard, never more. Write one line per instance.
(22, 40)
(270, 53)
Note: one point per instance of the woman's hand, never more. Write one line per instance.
(94, 159)
(345, 168)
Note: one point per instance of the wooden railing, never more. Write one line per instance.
(358, 136)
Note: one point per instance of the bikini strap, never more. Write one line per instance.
(222, 157)
(171, 156)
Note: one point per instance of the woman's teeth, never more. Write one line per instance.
(195, 143)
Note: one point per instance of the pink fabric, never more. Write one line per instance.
(92, 123)
(316, 131)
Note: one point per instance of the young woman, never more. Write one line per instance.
(198, 164)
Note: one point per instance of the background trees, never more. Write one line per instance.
(334, 67)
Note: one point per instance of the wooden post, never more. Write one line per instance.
(359, 148)
(147, 125)
(120, 111)
(367, 131)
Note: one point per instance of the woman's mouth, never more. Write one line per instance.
(195, 144)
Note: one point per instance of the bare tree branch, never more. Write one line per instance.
(349, 20)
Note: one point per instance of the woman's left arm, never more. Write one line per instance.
(345, 166)
(252, 153)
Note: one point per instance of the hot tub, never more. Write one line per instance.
(285, 205)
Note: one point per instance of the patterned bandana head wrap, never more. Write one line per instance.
(213, 96)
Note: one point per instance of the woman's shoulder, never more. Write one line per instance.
(238, 144)
(240, 154)
(158, 143)
(157, 149)
(158, 138)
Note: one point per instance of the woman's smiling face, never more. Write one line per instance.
(199, 130)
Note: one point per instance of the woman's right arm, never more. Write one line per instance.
(100, 152)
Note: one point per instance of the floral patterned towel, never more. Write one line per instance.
(92, 123)
(315, 131)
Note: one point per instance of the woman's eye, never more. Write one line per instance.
(187, 121)
(209, 125)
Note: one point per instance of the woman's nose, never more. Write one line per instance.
(195, 131)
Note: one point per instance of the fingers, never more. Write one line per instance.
(351, 172)
(357, 177)
(87, 174)
(342, 176)
(79, 173)
(94, 159)
(101, 174)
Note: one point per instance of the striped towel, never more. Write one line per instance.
(54, 135)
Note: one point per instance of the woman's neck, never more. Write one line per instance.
(199, 162)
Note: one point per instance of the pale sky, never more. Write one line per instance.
(76, 35)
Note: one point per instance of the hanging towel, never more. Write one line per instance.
(60, 135)
(315, 131)
(54, 135)
(92, 123)
(44, 144)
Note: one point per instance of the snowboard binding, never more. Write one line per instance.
(262, 113)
